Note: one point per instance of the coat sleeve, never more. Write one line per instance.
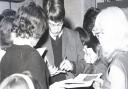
(80, 64)
(38, 69)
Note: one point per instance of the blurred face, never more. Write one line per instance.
(104, 39)
(98, 33)
(55, 27)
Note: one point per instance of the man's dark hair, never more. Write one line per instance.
(88, 24)
(56, 10)
(89, 18)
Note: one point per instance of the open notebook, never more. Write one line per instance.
(82, 80)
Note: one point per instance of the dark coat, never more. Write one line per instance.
(24, 58)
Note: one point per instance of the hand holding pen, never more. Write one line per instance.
(53, 70)
(66, 65)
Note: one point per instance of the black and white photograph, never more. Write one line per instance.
(63, 44)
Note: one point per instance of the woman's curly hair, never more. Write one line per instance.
(31, 21)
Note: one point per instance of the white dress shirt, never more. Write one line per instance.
(54, 37)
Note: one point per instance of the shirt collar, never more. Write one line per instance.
(54, 37)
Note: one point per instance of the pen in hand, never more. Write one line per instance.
(62, 63)
(66, 65)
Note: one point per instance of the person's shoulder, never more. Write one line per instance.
(26, 49)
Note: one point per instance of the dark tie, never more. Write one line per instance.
(57, 38)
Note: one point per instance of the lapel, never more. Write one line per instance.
(49, 54)
(64, 42)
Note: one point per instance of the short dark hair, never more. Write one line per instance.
(56, 10)
(8, 12)
(89, 18)
(88, 24)
(5, 32)
(83, 33)
(27, 15)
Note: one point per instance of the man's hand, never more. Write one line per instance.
(66, 65)
(53, 70)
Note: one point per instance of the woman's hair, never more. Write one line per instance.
(56, 10)
(5, 32)
(31, 21)
(15, 80)
(113, 26)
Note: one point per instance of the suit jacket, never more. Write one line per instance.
(24, 58)
(71, 48)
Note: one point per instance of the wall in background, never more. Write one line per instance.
(75, 10)
(3, 5)
(121, 4)
(15, 6)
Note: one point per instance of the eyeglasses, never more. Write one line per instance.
(97, 33)
(52, 23)
(37, 36)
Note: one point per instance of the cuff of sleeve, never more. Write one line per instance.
(74, 67)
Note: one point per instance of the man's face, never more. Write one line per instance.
(55, 27)
(104, 40)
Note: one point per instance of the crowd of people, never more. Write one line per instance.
(37, 51)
